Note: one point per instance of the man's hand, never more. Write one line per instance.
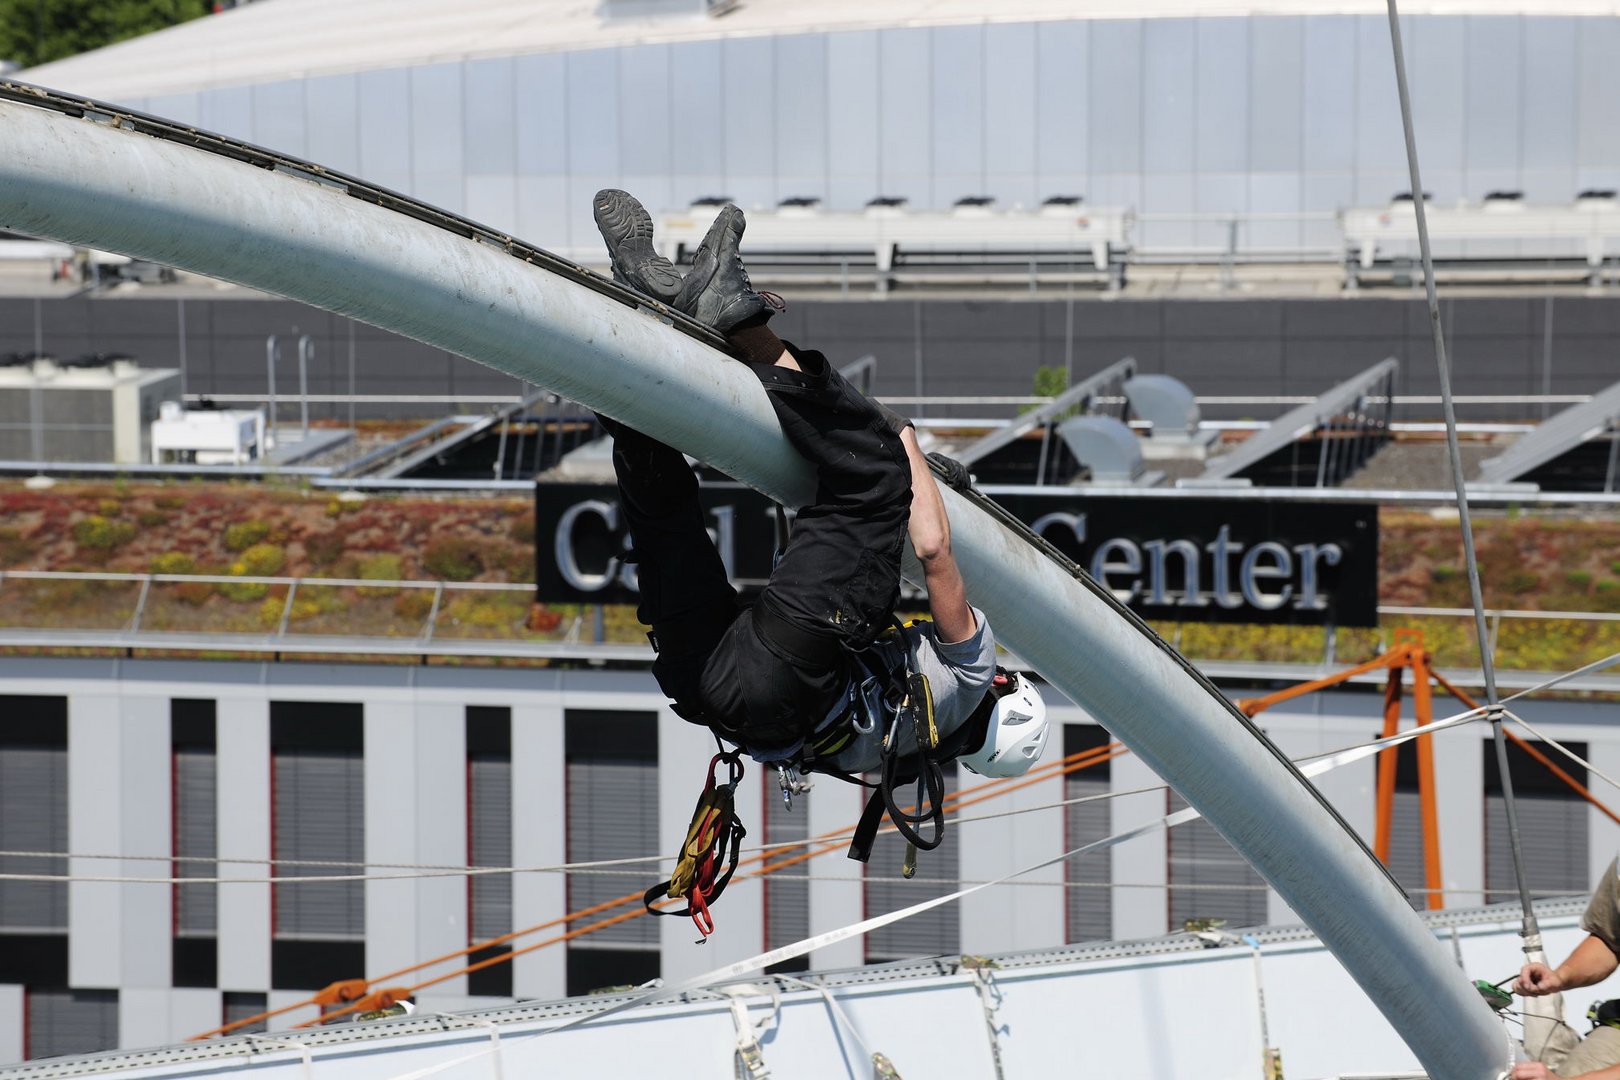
(1537, 980)
(952, 472)
(1533, 1070)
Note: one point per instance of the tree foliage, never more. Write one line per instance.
(38, 31)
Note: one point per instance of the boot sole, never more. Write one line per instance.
(628, 230)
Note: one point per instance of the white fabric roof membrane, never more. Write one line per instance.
(275, 40)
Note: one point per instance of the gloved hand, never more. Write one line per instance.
(952, 472)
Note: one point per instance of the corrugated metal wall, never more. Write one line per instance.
(1261, 114)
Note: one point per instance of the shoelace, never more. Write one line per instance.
(773, 300)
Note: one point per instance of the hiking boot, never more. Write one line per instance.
(627, 229)
(717, 291)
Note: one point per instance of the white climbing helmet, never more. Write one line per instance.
(1016, 733)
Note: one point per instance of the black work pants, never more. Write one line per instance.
(765, 676)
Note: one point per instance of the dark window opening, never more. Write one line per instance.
(1088, 879)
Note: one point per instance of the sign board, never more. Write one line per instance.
(1182, 559)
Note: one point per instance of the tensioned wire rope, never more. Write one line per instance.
(1352, 753)
(1530, 932)
(965, 797)
(601, 866)
(801, 948)
(838, 838)
(975, 794)
(1318, 763)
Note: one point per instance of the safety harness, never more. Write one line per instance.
(704, 865)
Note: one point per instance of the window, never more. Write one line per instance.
(1089, 908)
(70, 1022)
(787, 902)
(318, 814)
(196, 926)
(933, 932)
(489, 843)
(1553, 824)
(1208, 879)
(33, 815)
(238, 1005)
(612, 776)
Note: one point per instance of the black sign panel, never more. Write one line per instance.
(1185, 559)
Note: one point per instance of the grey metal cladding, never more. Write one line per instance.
(1011, 78)
(489, 112)
(229, 111)
(437, 171)
(278, 117)
(906, 121)
(1276, 104)
(1493, 112)
(384, 128)
(1114, 96)
(1550, 113)
(1598, 105)
(331, 121)
(185, 108)
(1378, 145)
(592, 110)
(801, 87)
(853, 122)
(540, 130)
(1329, 103)
(1169, 81)
(644, 111)
(1062, 109)
(1222, 107)
(956, 83)
(747, 68)
(1438, 72)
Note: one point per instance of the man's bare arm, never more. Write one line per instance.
(931, 539)
(1591, 962)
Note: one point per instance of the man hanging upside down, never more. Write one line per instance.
(812, 675)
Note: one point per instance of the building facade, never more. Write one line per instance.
(393, 778)
(1175, 113)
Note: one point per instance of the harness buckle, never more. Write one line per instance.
(789, 785)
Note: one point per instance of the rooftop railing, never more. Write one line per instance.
(220, 615)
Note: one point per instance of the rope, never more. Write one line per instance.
(1531, 931)
(1574, 784)
(839, 838)
(1566, 751)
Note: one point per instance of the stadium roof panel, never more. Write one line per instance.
(276, 40)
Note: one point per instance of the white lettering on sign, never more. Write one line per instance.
(1104, 563)
(1281, 566)
(563, 546)
(1175, 575)
(1262, 577)
(1159, 575)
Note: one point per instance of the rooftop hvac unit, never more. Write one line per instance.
(66, 412)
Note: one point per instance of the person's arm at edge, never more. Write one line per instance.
(930, 531)
(1535, 1070)
(1591, 962)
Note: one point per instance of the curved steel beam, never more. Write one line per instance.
(95, 182)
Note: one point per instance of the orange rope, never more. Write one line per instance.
(1073, 763)
(954, 800)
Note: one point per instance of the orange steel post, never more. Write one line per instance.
(1384, 815)
(1423, 704)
